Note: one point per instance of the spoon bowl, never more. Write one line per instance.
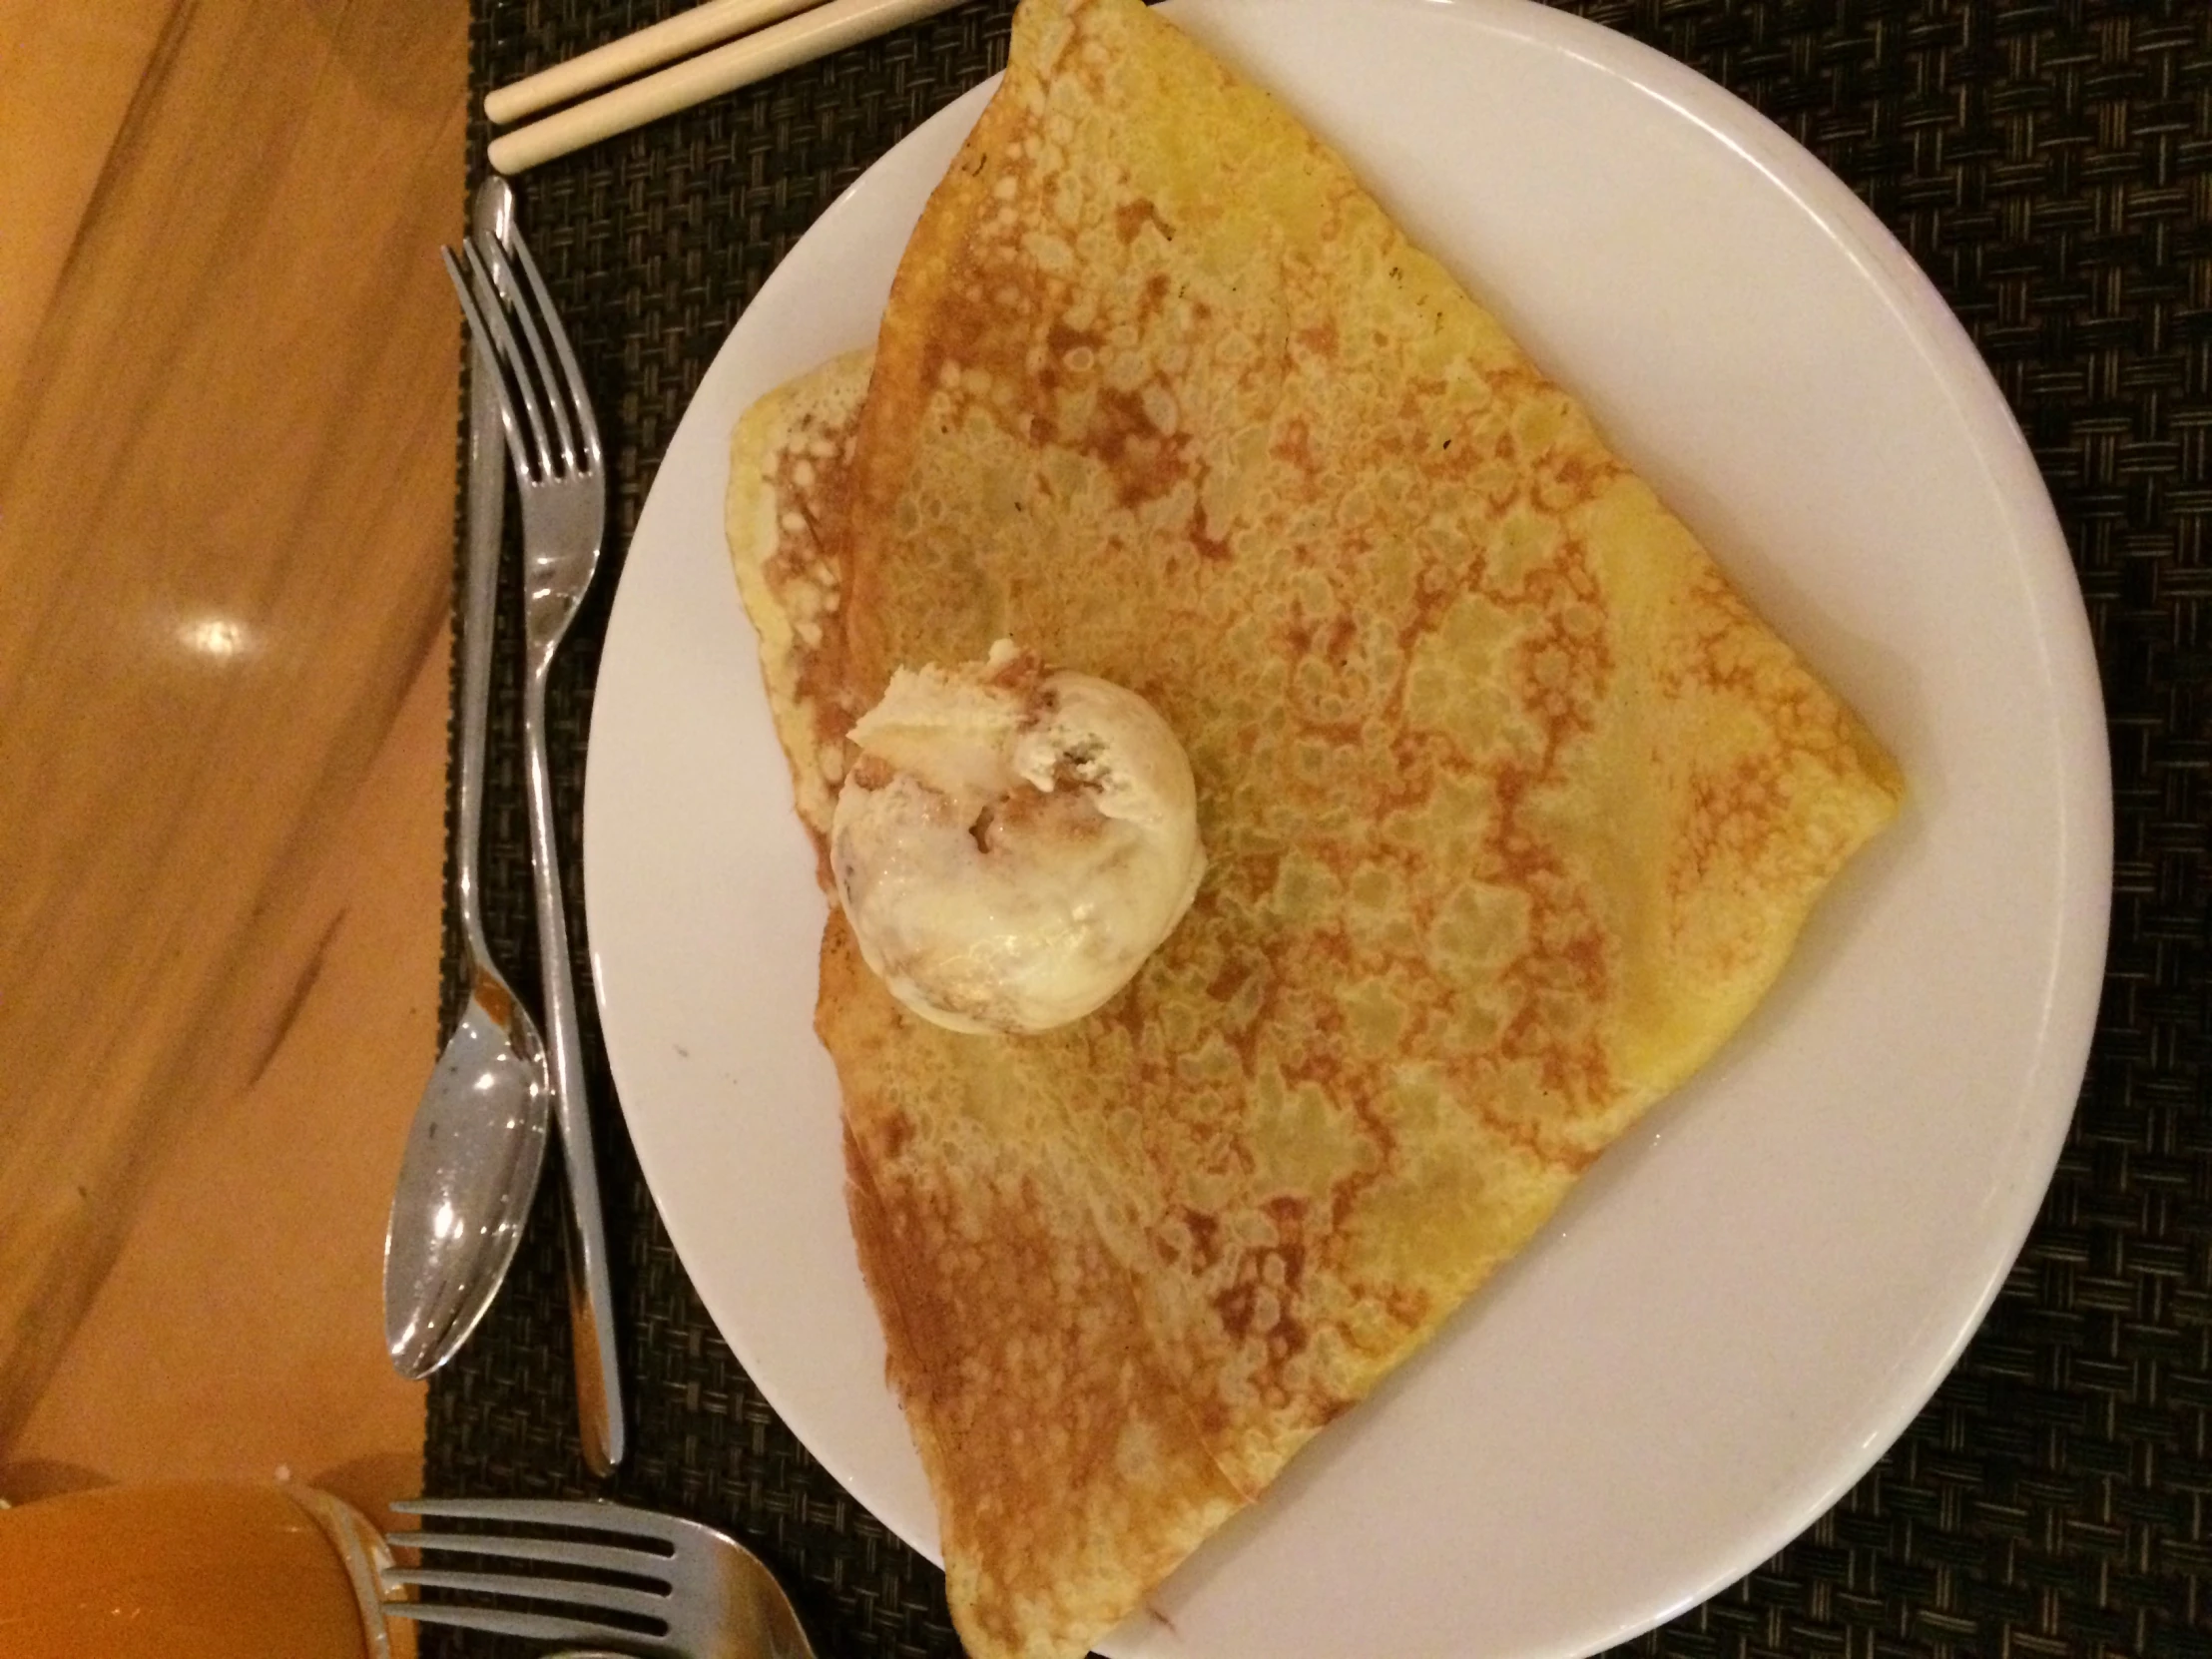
(466, 1179)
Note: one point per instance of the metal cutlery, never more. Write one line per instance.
(687, 1590)
(477, 1143)
(560, 474)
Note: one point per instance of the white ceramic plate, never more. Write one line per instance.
(1747, 1300)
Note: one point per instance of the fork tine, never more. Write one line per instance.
(511, 354)
(645, 1604)
(585, 1515)
(558, 395)
(577, 394)
(543, 1627)
(605, 1557)
(487, 359)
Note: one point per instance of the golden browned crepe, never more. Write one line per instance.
(788, 461)
(1513, 808)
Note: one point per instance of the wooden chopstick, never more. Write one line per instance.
(811, 34)
(676, 37)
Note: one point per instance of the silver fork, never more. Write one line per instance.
(704, 1594)
(561, 477)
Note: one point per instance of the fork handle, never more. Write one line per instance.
(590, 1294)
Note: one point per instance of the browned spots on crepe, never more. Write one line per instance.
(788, 461)
(1512, 808)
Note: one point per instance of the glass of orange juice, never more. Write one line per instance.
(192, 1570)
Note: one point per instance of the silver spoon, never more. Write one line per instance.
(473, 1154)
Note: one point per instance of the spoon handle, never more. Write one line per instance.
(487, 505)
(590, 1294)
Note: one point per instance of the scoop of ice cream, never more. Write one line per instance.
(1011, 843)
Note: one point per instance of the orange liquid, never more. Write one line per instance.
(187, 1571)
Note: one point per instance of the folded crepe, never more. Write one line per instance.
(1513, 808)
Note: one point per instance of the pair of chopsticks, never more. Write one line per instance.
(765, 37)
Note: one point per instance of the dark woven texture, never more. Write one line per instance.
(2051, 167)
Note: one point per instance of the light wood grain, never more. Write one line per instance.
(226, 405)
(253, 1250)
(67, 77)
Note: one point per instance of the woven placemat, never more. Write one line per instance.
(2051, 167)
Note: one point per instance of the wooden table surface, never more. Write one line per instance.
(228, 365)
